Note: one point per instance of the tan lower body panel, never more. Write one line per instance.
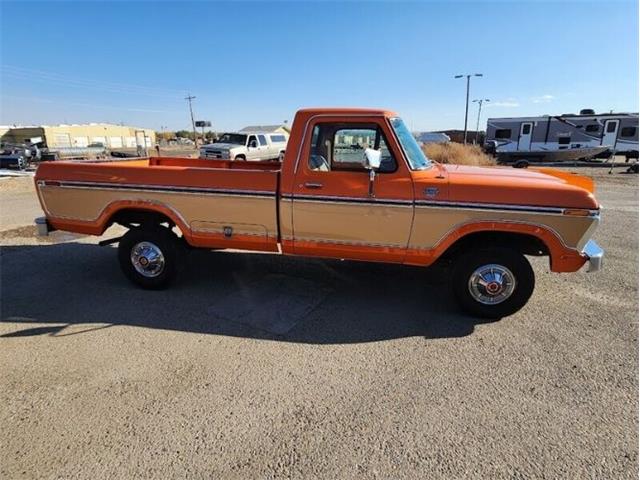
(203, 213)
(432, 224)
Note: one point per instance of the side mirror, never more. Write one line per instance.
(372, 158)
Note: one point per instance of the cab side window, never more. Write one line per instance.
(341, 147)
(262, 139)
(252, 142)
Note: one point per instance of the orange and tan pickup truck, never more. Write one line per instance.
(353, 184)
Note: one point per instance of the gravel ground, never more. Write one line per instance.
(367, 370)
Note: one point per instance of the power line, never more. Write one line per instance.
(189, 98)
(55, 78)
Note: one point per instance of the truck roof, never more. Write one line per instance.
(347, 111)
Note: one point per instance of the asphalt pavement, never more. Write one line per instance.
(259, 366)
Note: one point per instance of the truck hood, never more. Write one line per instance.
(221, 146)
(519, 186)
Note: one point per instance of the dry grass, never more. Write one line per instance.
(458, 154)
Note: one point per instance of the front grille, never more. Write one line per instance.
(215, 154)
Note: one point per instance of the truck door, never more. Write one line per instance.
(253, 148)
(334, 212)
(524, 141)
(264, 148)
(610, 135)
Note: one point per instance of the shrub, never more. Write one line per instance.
(458, 154)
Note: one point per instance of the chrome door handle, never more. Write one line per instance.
(313, 185)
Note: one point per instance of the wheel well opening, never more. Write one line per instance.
(523, 243)
(131, 218)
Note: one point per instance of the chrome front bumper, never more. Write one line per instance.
(594, 255)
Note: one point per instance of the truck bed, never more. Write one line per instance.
(217, 204)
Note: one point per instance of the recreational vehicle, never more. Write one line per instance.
(563, 137)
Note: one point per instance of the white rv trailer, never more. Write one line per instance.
(549, 134)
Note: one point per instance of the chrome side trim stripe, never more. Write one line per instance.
(161, 189)
(312, 198)
(432, 204)
(489, 206)
(338, 199)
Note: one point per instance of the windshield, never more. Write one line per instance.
(413, 152)
(234, 138)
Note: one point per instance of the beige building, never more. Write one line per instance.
(80, 136)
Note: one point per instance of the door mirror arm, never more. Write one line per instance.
(372, 160)
(372, 178)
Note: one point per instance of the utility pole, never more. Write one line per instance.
(188, 98)
(466, 108)
(479, 102)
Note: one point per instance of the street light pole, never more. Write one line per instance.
(466, 108)
(479, 110)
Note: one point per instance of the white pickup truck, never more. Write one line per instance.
(247, 146)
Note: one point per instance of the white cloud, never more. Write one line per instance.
(543, 99)
(508, 103)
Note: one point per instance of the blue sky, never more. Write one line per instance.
(256, 63)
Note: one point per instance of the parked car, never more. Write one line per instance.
(383, 202)
(13, 160)
(247, 146)
(16, 156)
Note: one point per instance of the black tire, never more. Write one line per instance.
(469, 262)
(521, 164)
(165, 241)
(240, 158)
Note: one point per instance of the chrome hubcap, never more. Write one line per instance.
(492, 284)
(147, 259)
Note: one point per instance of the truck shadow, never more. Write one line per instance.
(76, 288)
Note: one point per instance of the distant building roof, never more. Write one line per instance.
(264, 128)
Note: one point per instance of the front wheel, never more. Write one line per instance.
(149, 256)
(492, 282)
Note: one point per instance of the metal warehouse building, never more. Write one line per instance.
(79, 136)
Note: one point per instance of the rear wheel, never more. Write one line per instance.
(492, 282)
(149, 256)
